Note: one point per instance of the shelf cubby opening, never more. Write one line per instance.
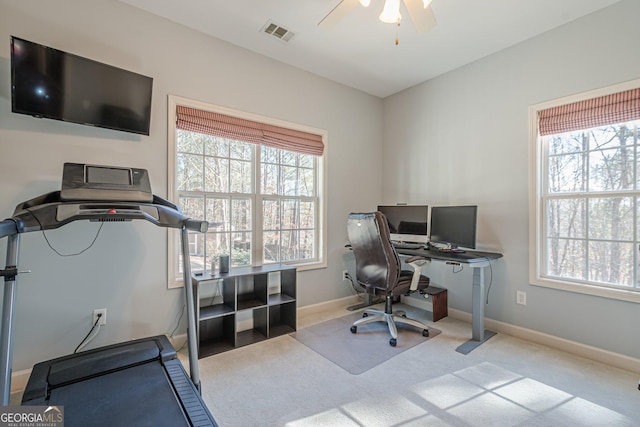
(252, 291)
(282, 319)
(217, 335)
(251, 326)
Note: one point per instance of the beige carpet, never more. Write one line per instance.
(359, 352)
(506, 382)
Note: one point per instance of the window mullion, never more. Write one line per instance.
(280, 203)
(543, 209)
(257, 200)
(636, 243)
(204, 169)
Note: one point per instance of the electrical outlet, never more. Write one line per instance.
(521, 298)
(345, 275)
(103, 318)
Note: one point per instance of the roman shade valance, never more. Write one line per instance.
(222, 125)
(614, 108)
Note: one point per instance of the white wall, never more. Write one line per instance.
(126, 269)
(463, 138)
(459, 138)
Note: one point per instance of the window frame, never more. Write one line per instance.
(538, 159)
(174, 278)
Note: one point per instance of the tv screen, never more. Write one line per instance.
(407, 223)
(53, 84)
(454, 226)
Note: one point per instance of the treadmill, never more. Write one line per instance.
(136, 383)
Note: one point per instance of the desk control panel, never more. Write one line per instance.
(464, 257)
(404, 245)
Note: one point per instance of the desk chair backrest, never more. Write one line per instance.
(377, 263)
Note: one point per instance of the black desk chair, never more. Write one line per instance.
(378, 271)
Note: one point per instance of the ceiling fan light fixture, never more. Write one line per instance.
(366, 3)
(391, 12)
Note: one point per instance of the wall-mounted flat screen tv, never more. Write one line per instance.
(53, 84)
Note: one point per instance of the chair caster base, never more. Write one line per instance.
(354, 329)
(393, 342)
(425, 332)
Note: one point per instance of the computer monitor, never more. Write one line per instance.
(407, 223)
(454, 226)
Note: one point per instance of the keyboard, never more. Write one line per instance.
(400, 245)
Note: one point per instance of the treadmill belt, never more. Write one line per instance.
(138, 383)
(139, 396)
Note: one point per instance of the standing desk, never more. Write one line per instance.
(476, 260)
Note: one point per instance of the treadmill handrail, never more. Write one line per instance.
(40, 213)
(8, 227)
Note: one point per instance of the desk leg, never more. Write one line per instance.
(478, 333)
(477, 307)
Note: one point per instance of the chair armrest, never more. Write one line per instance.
(416, 262)
(416, 258)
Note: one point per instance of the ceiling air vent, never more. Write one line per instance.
(279, 32)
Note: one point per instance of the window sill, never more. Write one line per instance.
(580, 288)
(310, 265)
(177, 283)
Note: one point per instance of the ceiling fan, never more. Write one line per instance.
(419, 11)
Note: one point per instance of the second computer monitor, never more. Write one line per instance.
(454, 226)
(407, 223)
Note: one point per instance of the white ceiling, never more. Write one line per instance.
(360, 51)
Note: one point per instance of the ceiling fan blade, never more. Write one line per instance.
(423, 18)
(338, 12)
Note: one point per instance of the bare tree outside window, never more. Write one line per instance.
(289, 205)
(253, 197)
(591, 204)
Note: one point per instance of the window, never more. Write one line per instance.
(263, 201)
(586, 194)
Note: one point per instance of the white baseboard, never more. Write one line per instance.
(177, 341)
(593, 353)
(327, 305)
(19, 380)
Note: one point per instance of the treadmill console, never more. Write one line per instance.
(105, 183)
